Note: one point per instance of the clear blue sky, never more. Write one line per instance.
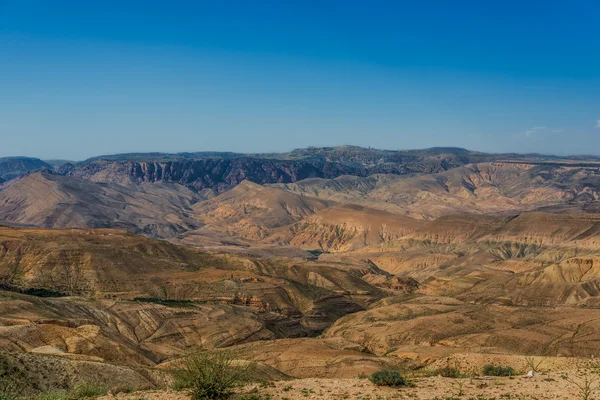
(81, 78)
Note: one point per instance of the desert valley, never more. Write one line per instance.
(320, 267)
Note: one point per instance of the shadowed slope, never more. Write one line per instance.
(51, 201)
(12, 167)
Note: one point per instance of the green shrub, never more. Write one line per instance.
(388, 378)
(89, 389)
(497, 370)
(211, 376)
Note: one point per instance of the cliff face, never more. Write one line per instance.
(222, 174)
(222, 171)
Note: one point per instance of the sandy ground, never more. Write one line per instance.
(544, 386)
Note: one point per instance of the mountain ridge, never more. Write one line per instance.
(220, 171)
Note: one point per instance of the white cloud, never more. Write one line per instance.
(598, 124)
(531, 131)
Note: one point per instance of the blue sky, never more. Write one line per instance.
(81, 78)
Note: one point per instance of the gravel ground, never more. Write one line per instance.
(541, 387)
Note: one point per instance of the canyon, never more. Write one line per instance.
(319, 263)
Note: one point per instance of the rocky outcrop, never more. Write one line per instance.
(223, 173)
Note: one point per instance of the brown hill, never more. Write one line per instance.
(51, 201)
(407, 325)
(495, 187)
(254, 215)
(252, 212)
(530, 259)
(348, 227)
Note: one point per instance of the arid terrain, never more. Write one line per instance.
(322, 266)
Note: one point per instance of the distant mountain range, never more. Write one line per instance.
(13, 167)
(220, 171)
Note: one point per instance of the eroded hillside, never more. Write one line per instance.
(127, 298)
(496, 187)
(317, 278)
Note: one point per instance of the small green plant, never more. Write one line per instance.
(460, 387)
(211, 375)
(88, 389)
(497, 370)
(388, 378)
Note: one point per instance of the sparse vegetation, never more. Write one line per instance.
(12, 379)
(497, 370)
(167, 303)
(450, 371)
(586, 384)
(459, 387)
(53, 395)
(212, 375)
(86, 389)
(38, 292)
(388, 378)
(533, 364)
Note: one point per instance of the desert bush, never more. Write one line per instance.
(388, 378)
(211, 376)
(534, 364)
(586, 384)
(86, 390)
(497, 370)
(450, 371)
